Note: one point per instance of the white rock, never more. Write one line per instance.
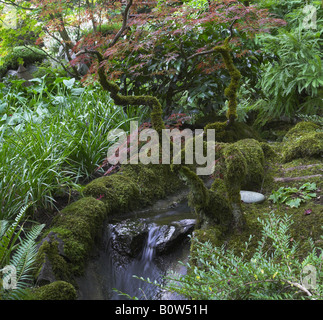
(252, 197)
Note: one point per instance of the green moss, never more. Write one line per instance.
(118, 192)
(218, 186)
(305, 139)
(58, 290)
(134, 187)
(243, 166)
(211, 206)
(231, 91)
(236, 170)
(49, 250)
(307, 145)
(300, 129)
(236, 131)
(79, 225)
(268, 150)
(253, 153)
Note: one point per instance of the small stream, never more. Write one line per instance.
(108, 270)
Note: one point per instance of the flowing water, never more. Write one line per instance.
(103, 274)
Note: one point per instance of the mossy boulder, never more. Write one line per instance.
(300, 129)
(118, 192)
(242, 166)
(268, 150)
(304, 140)
(58, 290)
(79, 226)
(52, 264)
(233, 132)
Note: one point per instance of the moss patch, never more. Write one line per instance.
(134, 186)
(305, 139)
(58, 290)
(300, 129)
(308, 145)
(79, 225)
(49, 251)
(236, 131)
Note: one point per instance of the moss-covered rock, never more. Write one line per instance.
(268, 150)
(51, 264)
(79, 225)
(243, 166)
(58, 290)
(300, 129)
(305, 139)
(307, 145)
(232, 133)
(118, 192)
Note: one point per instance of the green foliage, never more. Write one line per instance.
(293, 197)
(273, 272)
(57, 290)
(20, 55)
(293, 84)
(280, 8)
(17, 250)
(53, 137)
(187, 85)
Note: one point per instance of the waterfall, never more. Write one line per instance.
(138, 246)
(149, 250)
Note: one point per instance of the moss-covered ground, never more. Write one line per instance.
(308, 217)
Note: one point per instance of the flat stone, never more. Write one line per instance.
(252, 197)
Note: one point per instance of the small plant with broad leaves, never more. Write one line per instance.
(293, 197)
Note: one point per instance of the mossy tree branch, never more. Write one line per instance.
(113, 88)
(121, 100)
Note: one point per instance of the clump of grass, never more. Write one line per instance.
(53, 138)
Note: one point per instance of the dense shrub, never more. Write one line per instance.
(21, 54)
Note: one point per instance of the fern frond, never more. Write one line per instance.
(24, 257)
(9, 237)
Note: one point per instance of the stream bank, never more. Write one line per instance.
(159, 239)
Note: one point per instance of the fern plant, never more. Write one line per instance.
(294, 82)
(17, 256)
